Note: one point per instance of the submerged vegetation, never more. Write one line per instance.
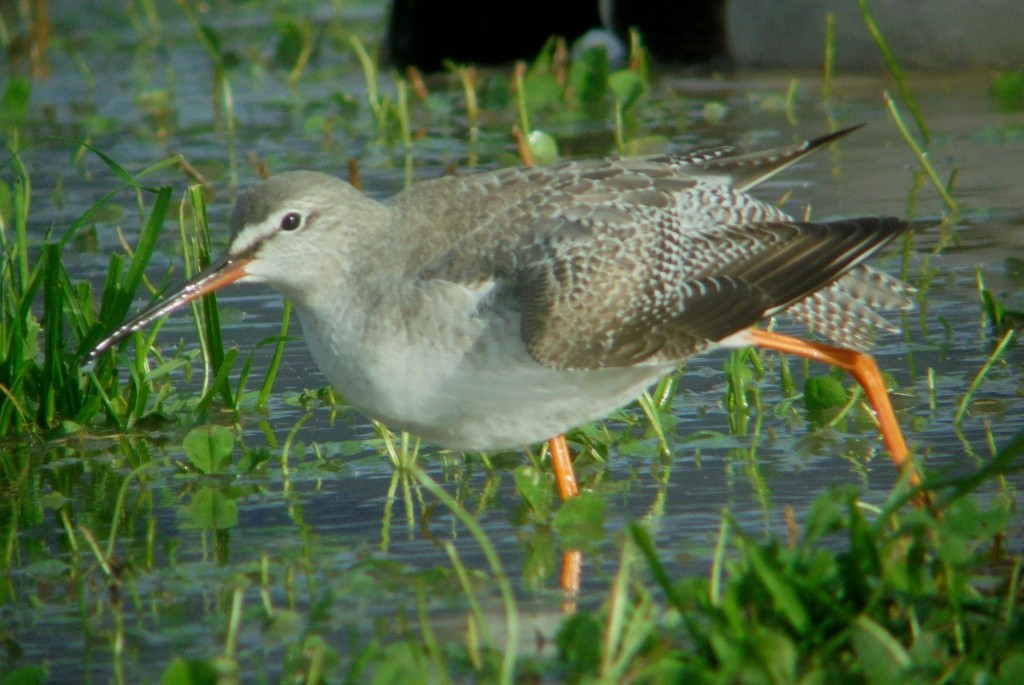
(165, 518)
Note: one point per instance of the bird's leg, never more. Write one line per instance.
(863, 368)
(572, 559)
(561, 463)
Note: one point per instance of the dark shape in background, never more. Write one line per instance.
(424, 33)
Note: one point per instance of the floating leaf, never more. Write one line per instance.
(543, 147)
(189, 672)
(294, 35)
(535, 487)
(1007, 91)
(209, 448)
(823, 392)
(581, 520)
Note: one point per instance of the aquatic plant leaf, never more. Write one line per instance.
(210, 509)
(209, 448)
(823, 392)
(778, 655)
(189, 672)
(14, 103)
(627, 86)
(541, 90)
(1015, 268)
(579, 644)
(580, 520)
(535, 488)
(882, 658)
(6, 204)
(780, 588)
(543, 146)
(1007, 91)
(588, 79)
(293, 37)
(26, 675)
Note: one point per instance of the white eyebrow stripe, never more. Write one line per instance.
(251, 236)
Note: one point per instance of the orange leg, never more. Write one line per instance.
(863, 368)
(569, 580)
(561, 462)
(572, 560)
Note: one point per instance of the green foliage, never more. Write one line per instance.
(627, 86)
(38, 364)
(588, 81)
(14, 103)
(823, 392)
(543, 147)
(536, 487)
(294, 40)
(209, 448)
(212, 509)
(1007, 91)
(189, 672)
(904, 601)
(1000, 316)
(579, 645)
(26, 675)
(580, 520)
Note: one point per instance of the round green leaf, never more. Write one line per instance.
(209, 448)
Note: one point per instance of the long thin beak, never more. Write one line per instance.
(219, 273)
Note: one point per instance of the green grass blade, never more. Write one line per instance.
(500, 579)
(119, 292)
(275, 360)
(894, 69)
(52, 377)
(208, 316)
(642, 538)
(922, 156)
(976, 383)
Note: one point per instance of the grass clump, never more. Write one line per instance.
(860, 596)
(49, 321)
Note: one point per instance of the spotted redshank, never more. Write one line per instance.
(494, 310)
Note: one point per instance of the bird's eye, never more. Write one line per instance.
(291, 221)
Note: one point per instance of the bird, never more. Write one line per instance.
(500, 309)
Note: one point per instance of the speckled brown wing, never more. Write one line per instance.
(504, 217)
(581, 310)
(628, 261)
(458, 218)
(847, 311)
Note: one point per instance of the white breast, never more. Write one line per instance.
(458, 374)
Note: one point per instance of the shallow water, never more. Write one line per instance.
(336, 527)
